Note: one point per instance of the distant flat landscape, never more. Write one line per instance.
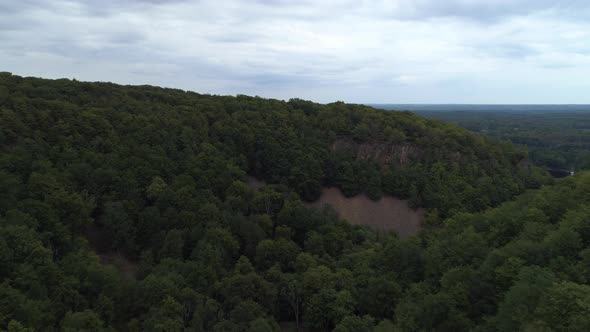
(509, 108)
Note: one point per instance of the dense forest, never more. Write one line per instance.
(158, 178)
(555, 139)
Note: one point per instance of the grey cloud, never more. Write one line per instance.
(110, 7)
(325, 50)
(512, 50)
(10, 25)
(479, 10)
(16, 7)
(234, 37)
(273, 80)
(558, 65)
(126, 37)
(278, 2)
(485, 11)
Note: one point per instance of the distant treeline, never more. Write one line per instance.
(488, 108)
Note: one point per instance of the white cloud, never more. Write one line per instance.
(360, 51)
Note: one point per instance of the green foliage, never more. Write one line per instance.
(355, 323)
(15, 326)
(84, 321)
(166, 317)
(157, 187)
(134, 208)
(281, 251)
(517, 310)
(566, 307)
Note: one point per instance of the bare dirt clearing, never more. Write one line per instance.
(388, 213)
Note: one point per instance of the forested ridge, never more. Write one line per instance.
(161, 175)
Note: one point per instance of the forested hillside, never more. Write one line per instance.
(159, 177)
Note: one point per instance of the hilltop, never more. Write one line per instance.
(158, 179)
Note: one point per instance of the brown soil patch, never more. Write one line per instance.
(388, 213)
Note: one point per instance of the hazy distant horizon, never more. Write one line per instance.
(481, 104)
(455, 51)
(387, 106)
(545, 108)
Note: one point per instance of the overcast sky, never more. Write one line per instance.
(396, 51)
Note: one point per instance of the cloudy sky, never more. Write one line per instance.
(396, 51)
